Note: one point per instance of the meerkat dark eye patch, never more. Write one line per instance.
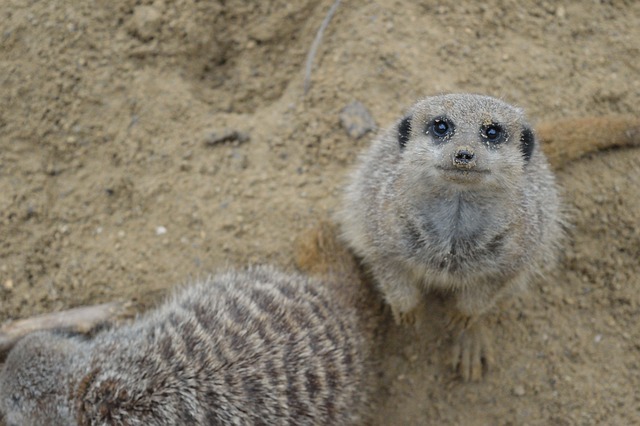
(404, 131)
(527, 141)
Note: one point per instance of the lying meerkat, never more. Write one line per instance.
(254, 347)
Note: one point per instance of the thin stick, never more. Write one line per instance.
(316, 44)
(81, 320)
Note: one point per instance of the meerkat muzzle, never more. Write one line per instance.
(464, 158)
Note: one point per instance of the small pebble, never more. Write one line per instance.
(356, 120)
(518, 390)
(146, 22)
(161, 230)
(215, 137)
(8, 284)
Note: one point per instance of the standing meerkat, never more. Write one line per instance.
(456, 197)
(255, 347)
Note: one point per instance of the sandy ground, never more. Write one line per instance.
(115, 185)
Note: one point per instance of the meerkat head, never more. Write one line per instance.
(465, 140)
(33, 389)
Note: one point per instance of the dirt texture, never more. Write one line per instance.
(146, 142)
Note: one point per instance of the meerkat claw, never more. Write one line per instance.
(472, 352)
(404, 318)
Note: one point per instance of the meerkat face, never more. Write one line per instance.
(465, 140)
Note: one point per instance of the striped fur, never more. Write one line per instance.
(254, 347)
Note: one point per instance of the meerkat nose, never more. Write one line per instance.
(464, 158)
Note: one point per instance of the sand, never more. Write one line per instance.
(143, 144)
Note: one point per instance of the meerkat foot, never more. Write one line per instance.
(472, 354)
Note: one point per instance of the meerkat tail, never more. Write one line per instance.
(565, 140)
(318, 251)
(82, 319)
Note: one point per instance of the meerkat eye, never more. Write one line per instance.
(441, 127)
(492, 132)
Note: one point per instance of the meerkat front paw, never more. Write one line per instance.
(404, 318)
(404, 302)
(472, 353)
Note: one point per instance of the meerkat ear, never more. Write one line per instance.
(527, 142)
(404, 131)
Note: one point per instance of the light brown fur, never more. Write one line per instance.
(568, 139)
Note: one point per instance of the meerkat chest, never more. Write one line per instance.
(461, 236)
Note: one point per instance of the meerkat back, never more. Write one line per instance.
(258, 347)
